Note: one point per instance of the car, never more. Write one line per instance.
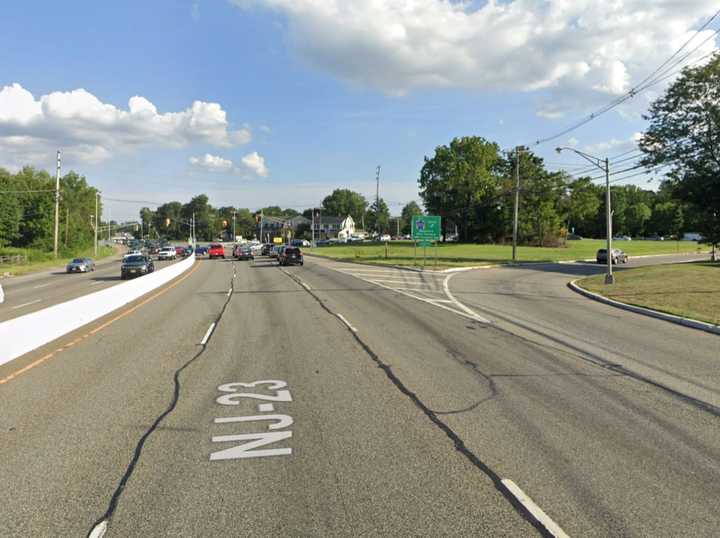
(574, 237)
(618, 256)
(216, 250)
(265, 250)
(133, 253)
(290, 256)
(180, 251)
(385, 237)
(188, 251)
(323, 242)
(243, 252)
(136, 266)
(275, 251)
(80, 265)
(167, 253)
(201, 251)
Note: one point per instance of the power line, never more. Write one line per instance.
(659, 74)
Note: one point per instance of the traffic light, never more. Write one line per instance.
(225, 223)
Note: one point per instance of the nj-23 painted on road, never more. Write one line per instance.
(251, 442)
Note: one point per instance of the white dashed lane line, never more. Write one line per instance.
(536, 512)
(346, 322)
(207, 334)
(25, 304)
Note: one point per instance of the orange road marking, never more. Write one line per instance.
(97, 329)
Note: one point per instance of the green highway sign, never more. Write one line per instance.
(426, 228)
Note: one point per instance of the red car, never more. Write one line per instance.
(216, 250)
(180, 251)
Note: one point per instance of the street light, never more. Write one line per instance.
(604, 165)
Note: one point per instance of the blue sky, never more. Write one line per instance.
(311, 96)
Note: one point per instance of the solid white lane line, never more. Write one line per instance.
(207, 334)
(537, 512)
(306, 286)
(41, 286)
(95, 283)
(457, 303)
(229, 293)
(25, 304)
(99, 530)
(346, 322)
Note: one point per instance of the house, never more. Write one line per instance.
(279, 226)
(328, 227)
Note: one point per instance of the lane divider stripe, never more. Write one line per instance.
(535, 511)
(208, 333)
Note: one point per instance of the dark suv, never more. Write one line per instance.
(290, 256)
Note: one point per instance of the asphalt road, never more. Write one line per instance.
(28, 293)
(406, 414)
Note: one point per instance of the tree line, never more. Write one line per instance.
(27, 210)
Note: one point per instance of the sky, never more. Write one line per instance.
(278, 102)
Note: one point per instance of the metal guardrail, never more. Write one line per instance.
(15, 259)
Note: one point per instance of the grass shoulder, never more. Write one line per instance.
(39, 260)
(447, 255)
(690, 290)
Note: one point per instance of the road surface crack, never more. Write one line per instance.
(99, 528)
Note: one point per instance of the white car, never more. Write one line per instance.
(385, 237)
(132, 253)
(167, 253)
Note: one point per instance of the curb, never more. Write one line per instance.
(687, 322)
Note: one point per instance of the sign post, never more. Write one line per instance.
(426, 231)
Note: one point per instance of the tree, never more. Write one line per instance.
(459, 180)
(636, 216)
(411, 209)
(377, 217)
(204, 216)
(344, 202)
(684, 134)
(582, 205)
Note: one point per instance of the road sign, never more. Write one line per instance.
(278, 240)
(426, 229)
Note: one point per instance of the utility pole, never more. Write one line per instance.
(397, 221)
(234, 236)
(67, 224)
(97, 222)
(516, 210)
(57, 204)
(194, 242)
(312, 227)
(377, 200)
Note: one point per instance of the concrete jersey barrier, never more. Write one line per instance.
(25, 333)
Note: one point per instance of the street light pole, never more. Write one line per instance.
(604, 165)
(57, 204)
(234, 236)
(609, 277)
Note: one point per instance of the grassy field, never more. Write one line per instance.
(459, 255)
(691, 290)
(40, 260)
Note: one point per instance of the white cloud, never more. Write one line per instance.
(251, 165)
(256, 164)
(585, 48)
(212, 163)
(91, 131)
(614, 145)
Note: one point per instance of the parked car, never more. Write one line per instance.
(574, 237)
(216, 250)
(80, 265)
(385, 237)
(179, 251)
(323, 242)
(201, 251)
(265, 250)
(136, 266)
(618, 256)
(243, 252)
(167, 253)
(622, 238)
(290, 256)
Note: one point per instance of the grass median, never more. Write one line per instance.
(463, 255)
(690, 290)
(38, 260)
